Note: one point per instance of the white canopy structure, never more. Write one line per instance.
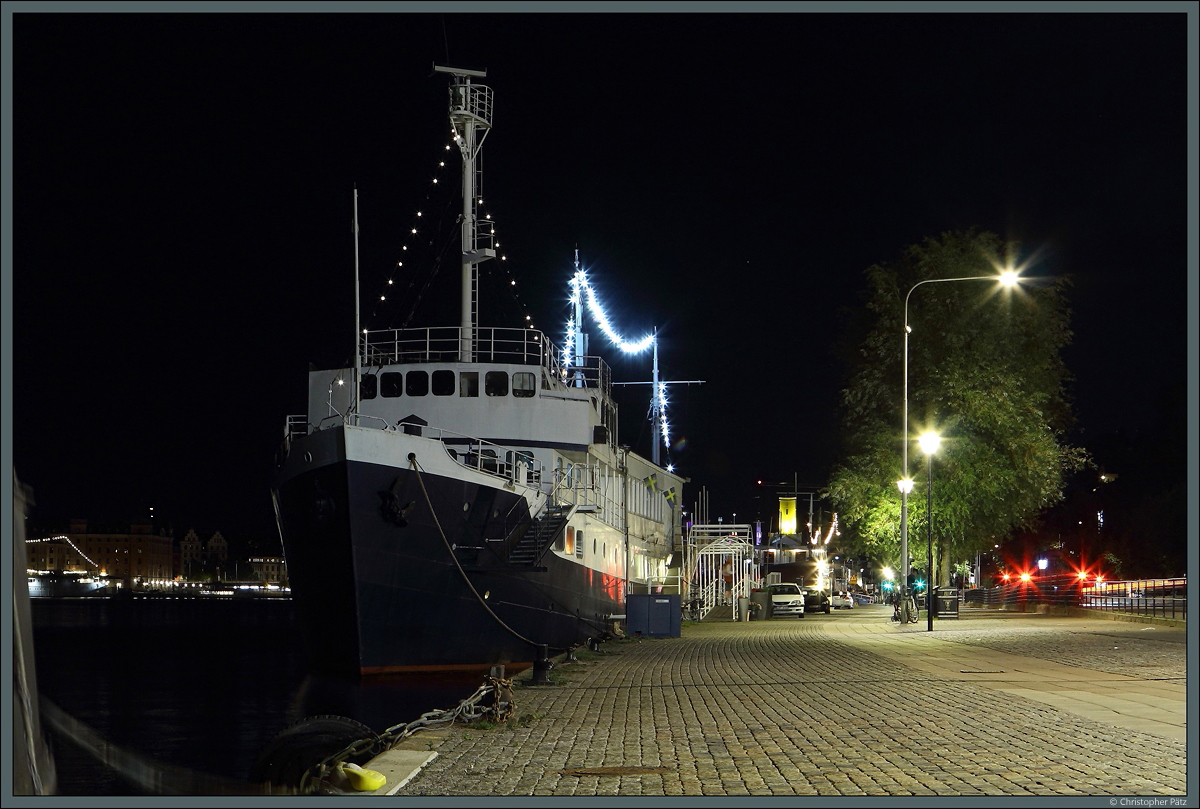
(721, 565)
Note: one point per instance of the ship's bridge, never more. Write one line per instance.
(516, 389)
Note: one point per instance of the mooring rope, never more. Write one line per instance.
(412, 461)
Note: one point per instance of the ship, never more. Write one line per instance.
(458, 499)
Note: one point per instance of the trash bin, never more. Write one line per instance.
(945, 603)
(743, 608)
(760, 603)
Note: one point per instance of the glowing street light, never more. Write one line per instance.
(1007, 278)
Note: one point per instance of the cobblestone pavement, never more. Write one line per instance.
(1148, 652)
(805, 707)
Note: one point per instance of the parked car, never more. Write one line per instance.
(816, 600)
(842, 600)
(786, 599)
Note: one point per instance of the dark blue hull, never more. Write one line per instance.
(388, 575)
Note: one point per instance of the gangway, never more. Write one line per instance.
(722, 566)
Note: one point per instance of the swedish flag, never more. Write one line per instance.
(670, 495)
(650, 482)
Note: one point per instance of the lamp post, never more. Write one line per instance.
(929, 445)
(1008, 278)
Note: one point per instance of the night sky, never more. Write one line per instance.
(182, 189)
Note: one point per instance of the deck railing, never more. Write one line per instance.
(443, 344)
(489, 345)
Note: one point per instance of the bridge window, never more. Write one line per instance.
(468, 383)
(391, 384)
(443, 383)
(496, 383)
(368, 386)
(579, 544)
(417, 383)
(524, 385)
(569, 540)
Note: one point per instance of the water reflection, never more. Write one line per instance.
(202, 685)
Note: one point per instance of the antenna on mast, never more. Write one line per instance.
(470, 115)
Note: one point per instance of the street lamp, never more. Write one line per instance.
(929, 445)
(1008, 278)
(905, 486)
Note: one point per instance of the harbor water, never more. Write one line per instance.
(202, 684)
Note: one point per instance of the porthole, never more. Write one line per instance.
(466, 506)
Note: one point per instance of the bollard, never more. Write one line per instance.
(541, 667)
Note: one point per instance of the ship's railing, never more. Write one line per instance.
(578, 484)
(514, 465)
(294, 427)
(471, 99)
(588, 485)
(491, 345)
(517, 466)
(594, 373)
(443, 344)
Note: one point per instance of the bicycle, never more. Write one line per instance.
(692, 610)
(898, 612)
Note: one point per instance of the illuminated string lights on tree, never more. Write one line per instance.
(830, 534)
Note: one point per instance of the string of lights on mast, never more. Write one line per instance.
(484, 226)
(575, 348)
(414, 231)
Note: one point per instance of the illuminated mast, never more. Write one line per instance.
(577, 336)
(659, 418)
(470, 114)
(574, 352)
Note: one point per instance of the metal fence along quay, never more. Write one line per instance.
(1154, 598)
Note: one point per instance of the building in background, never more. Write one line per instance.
(269, 569)
(135, 558)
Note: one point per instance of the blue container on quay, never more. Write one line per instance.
(654, 615)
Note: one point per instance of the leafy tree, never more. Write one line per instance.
(985, 372)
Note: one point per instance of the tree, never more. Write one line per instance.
(985, 372)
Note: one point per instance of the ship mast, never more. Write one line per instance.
(358, 339)
(470, 120)
(578, 337)
(656, 405)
